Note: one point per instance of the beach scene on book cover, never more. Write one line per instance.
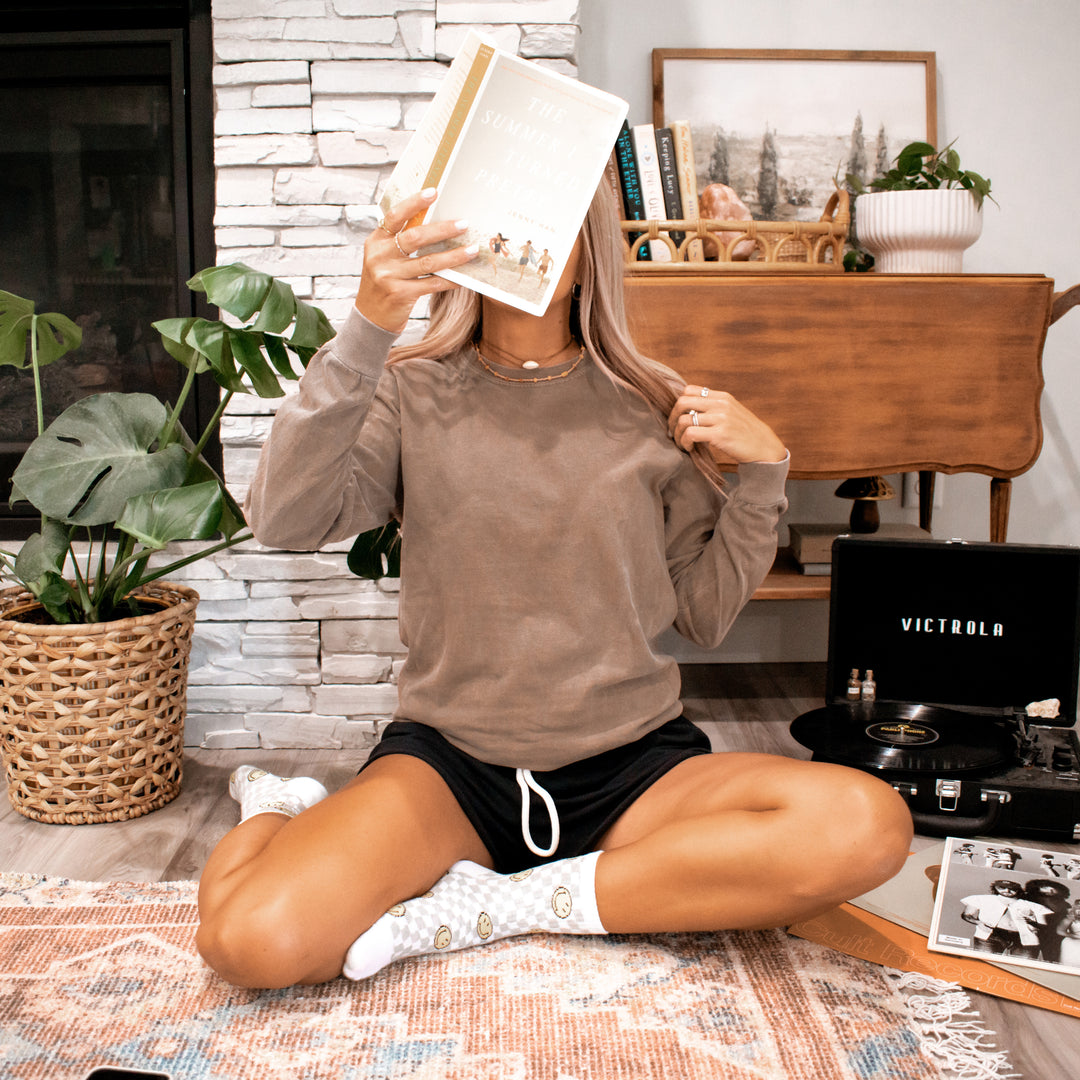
(999, 901)
(517, 150)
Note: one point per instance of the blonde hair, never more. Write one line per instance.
(598, 319)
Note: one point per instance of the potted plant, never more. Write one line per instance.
(923, 214)
(93, 643)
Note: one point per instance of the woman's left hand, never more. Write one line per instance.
(731, 431)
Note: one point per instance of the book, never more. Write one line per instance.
(998, 901)
(518, 151)
(669, 178)
(652, 186)
(630, 180)
(812, 542)
(687, 172)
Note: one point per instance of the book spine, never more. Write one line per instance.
(669, 178)
(652, 187)
(686, 168)
(633, 203)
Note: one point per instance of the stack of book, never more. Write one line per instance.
(897, 926)
(655, 179)
(811, 543)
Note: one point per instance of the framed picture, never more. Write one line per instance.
(779, 125)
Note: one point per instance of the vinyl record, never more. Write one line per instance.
(904, 738)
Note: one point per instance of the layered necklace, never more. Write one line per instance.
(529, 365)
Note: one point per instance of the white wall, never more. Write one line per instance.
(1007, 91)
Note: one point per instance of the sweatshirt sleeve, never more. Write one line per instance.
(330, 466)
(721, 546)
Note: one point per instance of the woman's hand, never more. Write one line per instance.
(731, 431)
(394, 276)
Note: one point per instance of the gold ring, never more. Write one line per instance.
(382, 225)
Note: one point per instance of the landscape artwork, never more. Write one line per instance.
(780, 128)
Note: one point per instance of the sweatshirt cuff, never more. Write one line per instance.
(762, 482)
(361, 346)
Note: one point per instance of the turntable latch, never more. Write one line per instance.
(905, 789)
(948, 792)
(996, 794)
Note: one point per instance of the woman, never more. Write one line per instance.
(561, 507)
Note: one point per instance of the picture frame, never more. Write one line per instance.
(782, 126)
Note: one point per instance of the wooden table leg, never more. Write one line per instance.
(927, 477)
(1000, 497)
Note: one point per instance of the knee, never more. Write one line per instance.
(254, 947)
(867, 832)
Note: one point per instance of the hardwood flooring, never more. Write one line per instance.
(743, 707)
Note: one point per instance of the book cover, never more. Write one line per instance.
(999, 901)
(518, 150)
(652, 187)
(630, 179)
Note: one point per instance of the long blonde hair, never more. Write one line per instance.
(598, 318)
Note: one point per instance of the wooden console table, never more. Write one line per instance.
(867, 374)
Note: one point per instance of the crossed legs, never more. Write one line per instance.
(722, 841)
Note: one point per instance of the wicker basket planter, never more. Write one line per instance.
(92, 715)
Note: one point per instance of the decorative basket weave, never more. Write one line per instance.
(92, 715)
(709, 243)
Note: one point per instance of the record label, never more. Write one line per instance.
(901, 734)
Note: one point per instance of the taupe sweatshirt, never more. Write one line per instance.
(551, 532)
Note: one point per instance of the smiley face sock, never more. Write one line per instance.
(471, 905)
(261, 792)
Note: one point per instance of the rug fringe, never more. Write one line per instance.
(941, 1011)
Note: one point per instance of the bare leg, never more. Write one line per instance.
(281, 900)
(740, 841)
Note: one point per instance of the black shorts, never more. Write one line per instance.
(589, 795)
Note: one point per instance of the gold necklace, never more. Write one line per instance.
(535, 361)
(537, 379)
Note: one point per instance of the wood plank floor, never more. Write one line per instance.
(743, 707)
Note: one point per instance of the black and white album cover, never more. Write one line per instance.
(999, 901)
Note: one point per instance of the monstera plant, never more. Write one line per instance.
(115, 476)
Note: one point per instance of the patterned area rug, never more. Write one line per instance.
(98, 974)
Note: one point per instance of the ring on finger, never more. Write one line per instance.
(404, 253)
(704, 391)
(382, 225)
(694, 417)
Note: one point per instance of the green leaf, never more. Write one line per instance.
(312, 327)
(42, 554)
(157, 518)
(232, 517)
(246, 349)
(377, 553)
(55, 334)
(173, 337)
(96, 455)
(278, 309)
(235, 288)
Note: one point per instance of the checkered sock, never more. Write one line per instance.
(471, 905)
(261, 792)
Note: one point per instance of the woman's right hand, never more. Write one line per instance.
(394, 276)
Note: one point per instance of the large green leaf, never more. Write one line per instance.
(377, 553)
(234, 288)
(181, 513)
(40, 567)
(96, 455)
(54, 334)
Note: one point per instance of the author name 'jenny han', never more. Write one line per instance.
(965, 627)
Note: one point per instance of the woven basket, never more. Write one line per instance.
(92, 715)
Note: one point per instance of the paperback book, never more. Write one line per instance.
(518, 151)
(1002, 902)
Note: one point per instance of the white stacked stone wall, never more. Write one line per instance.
(314, 101)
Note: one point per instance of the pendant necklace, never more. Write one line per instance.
(531, 365)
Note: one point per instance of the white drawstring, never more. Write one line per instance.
(526, 781)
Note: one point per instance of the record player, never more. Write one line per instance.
(961, 638)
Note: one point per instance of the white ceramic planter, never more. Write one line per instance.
(918, 232)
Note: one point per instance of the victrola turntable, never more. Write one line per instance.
(961, 638)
